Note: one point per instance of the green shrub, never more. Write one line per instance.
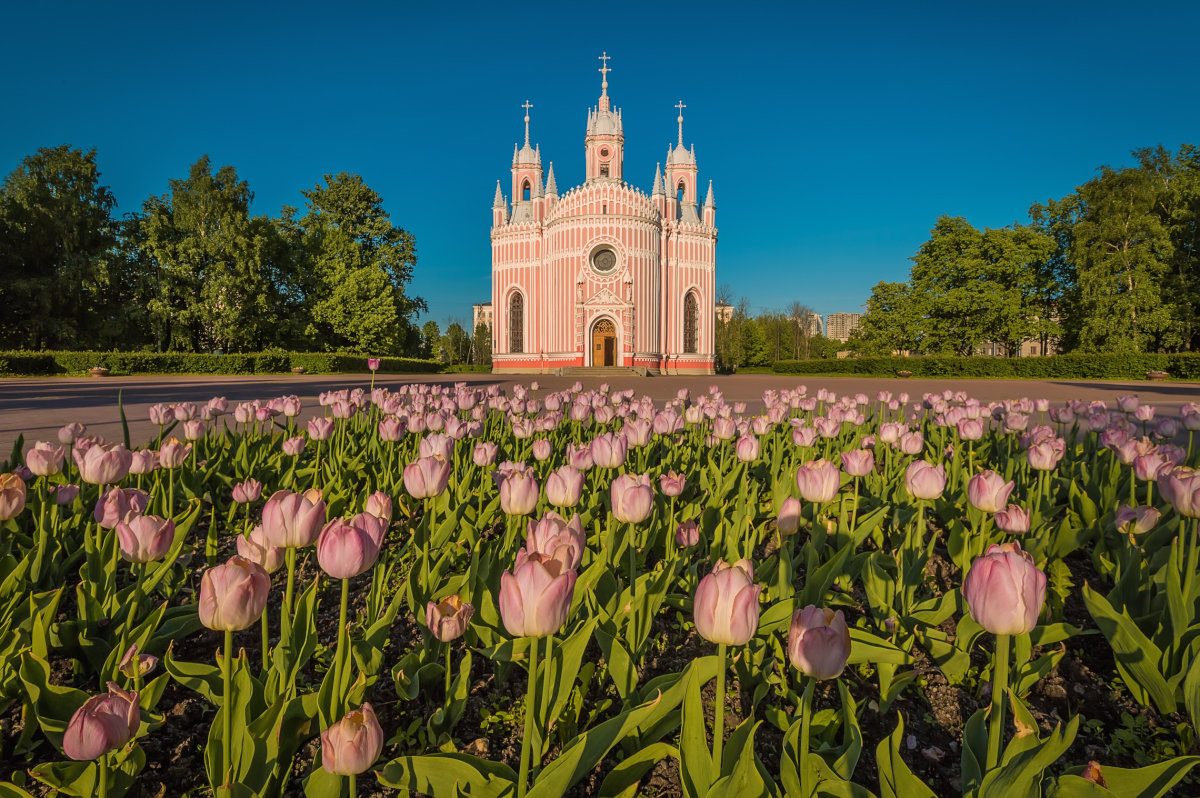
(1075, 366)
(273, 361)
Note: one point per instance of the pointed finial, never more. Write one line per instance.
(657, 188)
(680, 106)
(710, 201)
(529, 105)
(551, 186)
(498, 201)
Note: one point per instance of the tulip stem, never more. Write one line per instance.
(131, 619)
(807, 782)
(266, 641)
(447, 674)
(719, 709)
(999, 688)
(339, 661)
(102, 776)
(547, 682)
(353, 784)
(285, 625)
(530, 709)
(227, 714)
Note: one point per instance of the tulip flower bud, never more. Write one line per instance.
(726, 604)
(68, 434)
(536, 597)
(435, 444)
(427, 477)
(293, 520)
(45, 459)
(923, 481)
(233, 595)
(373, 363)
(564, 487)
(247, 491)
(257, 549)
(194, 429)
(859, 462)
(1135, 520)
(609, 450)
(103, 463)
(137, 664)
(1013, 519)
(541, 449)
(687, 534)
(747, 448)
(448, 618)
(1005, 590)
(173, 453)
(293, 446)
(391, 429)
(1044, 456)
(65, 494)
(345, 550)
(819, 642)
(353, 744)
(117, 503)
(818, 481)
(484, 454)
(632, 498)
(672, 484)
(554, 537)
(789, 516)
(518, 491)
(145, 538)
(987, 491)
(12, 496)
(379, 504)
(104, 723)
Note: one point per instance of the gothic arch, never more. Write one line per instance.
(516, 322)
(691, 323)
(603, 323)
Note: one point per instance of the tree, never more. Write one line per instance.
(360, 266)
(754, 345)
(481, 345)
(431, 337)
(800, 316)
(456, 344)
(891, 323)
(55, 235)
(215, 284)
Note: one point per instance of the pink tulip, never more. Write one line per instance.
(137, 664)
(68, 434)
(554, 537)
(747, 448)
(536, 597)
(672, 484)
(789, 516)
(391, 429)
(1147, 466)
(117, 503)
(448, 618)
(632, 498)
(345, 550)
(426, 477)
(637, 431)
(373, 363)
(726, 604)
(195, 429)
(580, 457)
(970, 429)
(293, 446)
(564, 487)
(104, 463)
(518, 492)
(173, 453)
(248, 491)
(320, 428)
(987, 491)
(687, 534)
(859, 462)
(724, 429)
(819, 642)
(12, 496)
(1044, 456)
(143, 461)
(104, 723)
(64, 494)
(435, 444)
(257, 549)
(818, 481)
(291, 406)
(804, 436)
(609, 450)
(1136, 520)
(1181, 488)
(233, 595)
(353, 744)
(379, 504)
(484, 454)
(293, 520)
(145, 538)
(911, 443)
(923, 481)
(45, 459)
(1005, 590)
(1012, 519)
(1166, 428)
(541, 449)
(1144, 413)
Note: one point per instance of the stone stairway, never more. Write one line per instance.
(602, 371)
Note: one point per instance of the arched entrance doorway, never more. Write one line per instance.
(604, 343)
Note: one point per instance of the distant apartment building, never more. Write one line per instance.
(838, 326)
(1028, 349)
(481, 313)
(724, 311)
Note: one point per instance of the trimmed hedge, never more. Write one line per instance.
(1052, 367)
(269, 362)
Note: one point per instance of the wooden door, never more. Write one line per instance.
(604, 344)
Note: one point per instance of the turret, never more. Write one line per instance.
(658, 195)
(499, 208)
(604, 143)
(681, 177)
(710, 208)
(526, 176)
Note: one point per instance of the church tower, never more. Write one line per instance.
(527, 191)
(605, 140)
(681, 177)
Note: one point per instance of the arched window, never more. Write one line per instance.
(516, 323)
(691, 331)
(679, 192)
(525, 191)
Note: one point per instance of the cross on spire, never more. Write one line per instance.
(529, 105)
(680, 106)
(604, 70)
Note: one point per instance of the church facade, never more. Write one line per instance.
(603, 274)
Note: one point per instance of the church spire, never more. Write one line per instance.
(604, 70)
(678, 105)
(658, 181)
(709, 202)
(498, 202)
(551, 186)
(529, 105)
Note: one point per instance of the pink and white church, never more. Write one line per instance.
(603, 275)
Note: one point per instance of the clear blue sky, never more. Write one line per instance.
(834, 133)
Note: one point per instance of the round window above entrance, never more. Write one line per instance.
(604, 260)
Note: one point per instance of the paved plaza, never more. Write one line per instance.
(37, 407)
